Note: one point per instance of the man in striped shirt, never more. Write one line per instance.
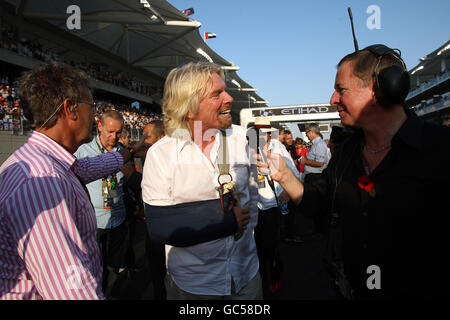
(48, 247)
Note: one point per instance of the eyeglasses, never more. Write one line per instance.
(307, 131)
(93, 104)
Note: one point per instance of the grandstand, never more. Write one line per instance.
(429, 96)
(127, 47)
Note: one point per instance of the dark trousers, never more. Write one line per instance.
(318, 211)
(156, 254)
(267, 236)
(112, 245)
(290, 222)
(154, 257)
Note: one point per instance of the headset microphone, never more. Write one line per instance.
(392, 83)
(353, 28)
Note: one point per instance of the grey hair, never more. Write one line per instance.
(314, 127)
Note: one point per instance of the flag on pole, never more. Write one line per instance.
(189, 11)
(209, 35)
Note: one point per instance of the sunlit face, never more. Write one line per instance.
(110, 132)
(151, 135)
(215, 108)
(288, 139)
(125, 139)
(351, 97)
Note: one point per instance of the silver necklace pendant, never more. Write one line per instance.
(377, 150)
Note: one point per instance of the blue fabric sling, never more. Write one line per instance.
(191, 223)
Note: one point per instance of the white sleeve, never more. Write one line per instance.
(157, 179)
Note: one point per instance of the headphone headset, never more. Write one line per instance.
(392, 83)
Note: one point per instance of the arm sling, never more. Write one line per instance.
(191, 223)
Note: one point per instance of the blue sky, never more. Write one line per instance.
(289, 49)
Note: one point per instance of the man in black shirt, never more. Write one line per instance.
(386, 186)
(290, 146)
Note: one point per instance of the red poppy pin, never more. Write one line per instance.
(366, 184)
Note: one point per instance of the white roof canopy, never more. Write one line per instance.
(144, 38)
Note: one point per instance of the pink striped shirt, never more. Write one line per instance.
(48, 247)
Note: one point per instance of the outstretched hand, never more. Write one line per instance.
(280, 172)
(275, 165)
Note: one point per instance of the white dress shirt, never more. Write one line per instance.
(176, 171)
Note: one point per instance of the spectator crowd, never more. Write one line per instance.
(11, 108)
(34, 49)
(217, 208)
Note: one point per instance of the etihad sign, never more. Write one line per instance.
(290, 111)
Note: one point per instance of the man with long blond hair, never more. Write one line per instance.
(181, 185)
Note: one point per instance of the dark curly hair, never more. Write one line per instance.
(44, 88)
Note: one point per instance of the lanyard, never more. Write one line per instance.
(99, 145)
(223, 163)
(110, 181)
(224, 170)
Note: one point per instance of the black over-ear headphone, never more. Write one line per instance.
(392, 83)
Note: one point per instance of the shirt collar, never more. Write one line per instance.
(181, 143)
(183, 140)
(316, 140)
(53, 149)
(99, 144)
(409, 133)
